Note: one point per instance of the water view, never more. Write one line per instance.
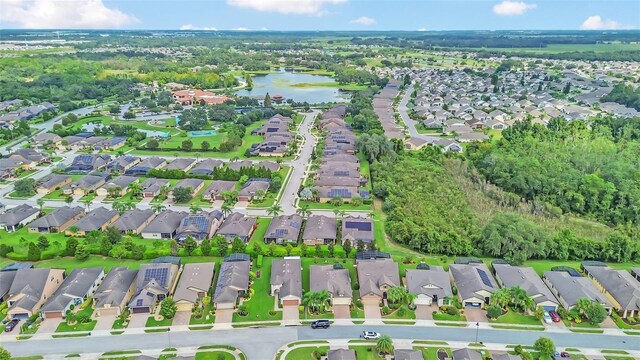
(298, 86)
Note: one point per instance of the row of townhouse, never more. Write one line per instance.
(278, 137)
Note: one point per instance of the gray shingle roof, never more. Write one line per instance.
(133, 219)
(57, 217)
(233, 277)
(195, 278)
(114, 287)
(165, 222)
(288, 274)
(356, 228)
(320, 227)
(238, 225)
(180, 164)
(30, 283)
(372, 274)
(469, 279)
(434, 281)
(341, 354)
(6, 279)
(284, 227)
(51, 181)
(620, 284)
(336, 281)
(121, 181)
(76, 285)
(407, 354)
(95, 219)
(466, 354)
(14, 216)
(217, 187)
(527, 279)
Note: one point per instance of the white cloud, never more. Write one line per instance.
(68, 14)
(310, 7)
(363, 20)
(240, 29)
(508, 8)
(191, 27)
(422, 29)
(596, 23)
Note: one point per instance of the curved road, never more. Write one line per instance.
(262, 343)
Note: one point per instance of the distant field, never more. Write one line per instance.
(560, 48)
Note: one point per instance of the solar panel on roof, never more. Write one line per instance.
(345, 193)
(341, 173)
(484, 277)
(360, 226)
(281, 232)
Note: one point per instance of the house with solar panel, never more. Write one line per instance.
(206, 167)
(199, 226)
(320, 229)
(474, 282)
(164, 225)
(239, 226)
(356, 229)
(154, 283)
(216, 190)
(143, 167)
(123, 163)
(284, 229)
(233, 281)
(85, 163)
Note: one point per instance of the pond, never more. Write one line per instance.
(298, 86)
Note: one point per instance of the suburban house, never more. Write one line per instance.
(237, 225)
(527, 279)
(164, 225)
(341, 354)
(46, 139)
(85, 163)
(57, 221)
(619, 286)
(118, 184)
(51, 183)
(114, 292)
(233, 282)
(30, 289)
(30, 157)
(286, 280)
(75, 289)
(85, 185)
(133, 221)
(252, 188)
(14, 218)
(194, 184)
(123, 163)
(507, 356)
(193, 285)
(154, 283)
(320, 229)
(569, 289)
(6, 279)
(152, 187)
(430, 284)
(199, 226)
(407, 354)
(376, 277)
(334, 280)
(206, 167)
(192, 96)
(355, 229)
(218, 187)
(284, 228)
(182, 164)
(145, 165)
(467, 354)
(97, 219)
(474, 282)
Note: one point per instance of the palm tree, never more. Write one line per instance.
(118, 206)
(68, 199)
(129, 205)
(501, 297)
(260, 194)
(194, 209)
(303, 211)
(274, 210)
(226, 209)
(87, 202)
(316, 301)
(158, 208)
(521, 300)
(397, 294)
(135, 188)
(384, 344)
(164, 191)
(40, 203)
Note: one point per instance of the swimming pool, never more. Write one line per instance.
(201, 133)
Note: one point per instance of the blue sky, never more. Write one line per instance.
(323, 14)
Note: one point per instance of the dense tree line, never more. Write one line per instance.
(592, 173)
(625, 95)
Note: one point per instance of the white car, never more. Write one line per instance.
(370, 335)
(547, 318)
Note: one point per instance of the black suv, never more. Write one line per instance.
(320, 324)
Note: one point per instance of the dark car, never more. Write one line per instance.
(320, 324)
(554, 316)
(564, 354)
(11, 325)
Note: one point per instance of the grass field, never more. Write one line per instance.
(560, 48)
(261, 302)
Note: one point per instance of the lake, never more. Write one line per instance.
(284, 83)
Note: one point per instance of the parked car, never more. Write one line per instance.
(564, 354)
(547, 318)
(370, 335)
(554, 316)
(320, 324)
(11, 325)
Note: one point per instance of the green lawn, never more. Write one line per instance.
(364, 352)
(261, 302)
(152, 322)
(408, 314)
(305, 353)
(214, 355)
(328, 206)
(431, 353)
(512, 317)
(258, 233)
(208, 316)
(88, 310)
(445, 316)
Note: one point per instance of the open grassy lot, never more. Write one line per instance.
(302, 353)
(261, 303)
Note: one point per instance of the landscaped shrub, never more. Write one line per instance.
(272, 312)
(401, 311)
(452, 310)
(386, 310)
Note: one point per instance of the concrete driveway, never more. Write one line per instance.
(105, 322)
(182, 318)
(341, 312)
(49, 326)
(290, 313)
(224, 316)
(425, 312)
(138, 320)
(371, 310)
(476, 315)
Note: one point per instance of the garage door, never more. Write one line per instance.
(20, 316)
(109, 311)
(140, 310)
(290, 302)
(549, 308)
(473, 305)
(53, 315)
